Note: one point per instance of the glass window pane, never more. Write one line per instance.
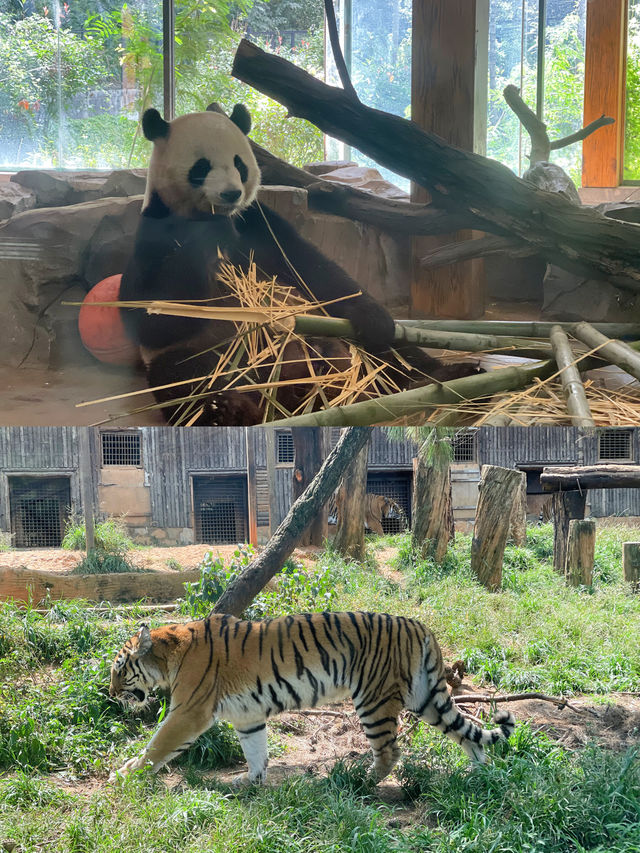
(632, 118)
(205, 46)
(75, 75)
(380, 47)
(513, 39)
(564, 78)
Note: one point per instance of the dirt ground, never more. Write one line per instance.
(160, 559)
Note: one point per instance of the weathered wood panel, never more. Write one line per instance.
(31, 585)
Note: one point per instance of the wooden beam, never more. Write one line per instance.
(443, 97)
(252, 495)
(569, 477)
(604, 87)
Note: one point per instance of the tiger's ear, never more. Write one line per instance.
(144, 640)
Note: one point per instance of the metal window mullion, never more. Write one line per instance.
(542, 34)
(168, 58)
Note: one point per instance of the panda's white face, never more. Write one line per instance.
(201, 163)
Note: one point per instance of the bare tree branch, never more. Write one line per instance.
(338, 56)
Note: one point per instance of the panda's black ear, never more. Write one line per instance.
(154, 126)
(241, 118)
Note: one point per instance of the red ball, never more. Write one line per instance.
(101, 328)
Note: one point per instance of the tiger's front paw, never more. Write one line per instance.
(128, 767)
(244, 779)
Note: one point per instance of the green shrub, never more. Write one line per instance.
(101, 562)
(110, 535)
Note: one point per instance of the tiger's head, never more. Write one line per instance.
(135, 672)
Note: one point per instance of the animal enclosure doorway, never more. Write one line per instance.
(38, 509)
(396, 485)
(220, 509)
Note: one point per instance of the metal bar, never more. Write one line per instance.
(542, 31)
(168, 58)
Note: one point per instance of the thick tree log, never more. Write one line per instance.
(581, 545)
(631, 563)
(574, 392)
(452, 253)
(431, 512)
(566, 507)
(583, 477)
(239, 594)
(311, 446)
(387, 214)
(498, 488)
(575, 238)
(349, 538)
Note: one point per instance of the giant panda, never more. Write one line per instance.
(200, 207)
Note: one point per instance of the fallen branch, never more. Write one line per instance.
(469, 698)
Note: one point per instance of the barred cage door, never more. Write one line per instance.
(38, 507)
(221, 512)
(397, 486)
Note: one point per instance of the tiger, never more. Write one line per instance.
(244, 672)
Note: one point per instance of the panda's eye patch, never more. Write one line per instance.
(238, 162)
(199, 171)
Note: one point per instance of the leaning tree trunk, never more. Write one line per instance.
(578, 239)
(239, 594)
(566, 507)
(498, 490)
(431, 512)
(349, 538)
(311, 448)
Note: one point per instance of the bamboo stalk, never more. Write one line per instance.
(424, 399)
(519, 328)
(617, 352)
(574, 392)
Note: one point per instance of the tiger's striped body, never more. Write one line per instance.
(245, 672)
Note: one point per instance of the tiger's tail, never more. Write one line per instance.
(437, 707)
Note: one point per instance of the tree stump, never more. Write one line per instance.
(581, 546)
(518, 518)
(498, 488)
(566, 506)
(431, 514)
(631, 563)
(349, 538)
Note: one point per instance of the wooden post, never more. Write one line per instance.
(443, 94)
(252, 494)
(498, 489)
(431, 513)
(581, 545)
(566, 507)
(86, 485)
(631, 563)
(349, 538)
(311, 449)
(518, 517)
(602, 152)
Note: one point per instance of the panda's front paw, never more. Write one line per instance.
(372, 323)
